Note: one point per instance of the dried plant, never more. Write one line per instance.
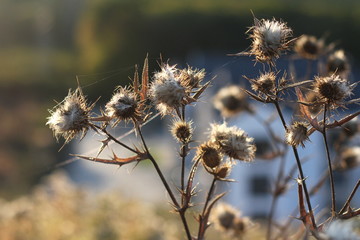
(171, 90)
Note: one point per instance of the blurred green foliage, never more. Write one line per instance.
(45, 44)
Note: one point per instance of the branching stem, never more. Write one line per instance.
(298, 162)
(332, 184)
(166, 185)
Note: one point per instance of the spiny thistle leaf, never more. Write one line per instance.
(145, 79)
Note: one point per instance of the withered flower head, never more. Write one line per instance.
(338, 63)
(191, 78)
(228, 219)
(350, 158)
(269, 38)
(210, 155)
(223, 216)
(309, 47)
(297, 134)
(265, 83)
(233, 142)
(230, 101)
(224, 170)
(182, 131)
(241, 225)
(333, 89)
(70, 117)
(166, 89)
(123, 105)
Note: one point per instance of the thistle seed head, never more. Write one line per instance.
(333, 89)
(265, 83)
(223, 216)
(182, 131)
(166, 90)
(223, 171)
(338, 63)
(70, 117)
(350, 158)
(297, 134)
(191, 78)
(309, 47)
(122, 106)
(241, 225)
(210, 155)
(269, 38)
(228, 220)
(230, 101)
(233, 142)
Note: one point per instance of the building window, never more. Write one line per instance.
(259, 185)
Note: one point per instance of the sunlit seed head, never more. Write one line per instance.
(166, 89)
(191, 78)
(70, 117)
(210, 155)
(122, 106)
(338, 63)
(182, 131)
(269, 38)
(309, 47)
(350, 158)
(296, 134)
(223, 171)
(231, 100)
(233, 142)
(223, 216)
(333, 89)
(265, 83)
(241, 225)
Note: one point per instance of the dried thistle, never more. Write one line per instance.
(309, 47)
(269, 38)
(350, 158)
(233, 142)
(264, 84)
(337, 63)
(223, 216)
(296, 134)
(71, 116)
(231, 100)
(182, 131)
(123, 106)
(191, 78)
(210, 155)
(166, 90)
(333, 89)
(223, 171)
(228, 220)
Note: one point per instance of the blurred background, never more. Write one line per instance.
(46, 44)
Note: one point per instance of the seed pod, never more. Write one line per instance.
(210, 155)
(309, 47)
(297, 134)
(182, 131)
